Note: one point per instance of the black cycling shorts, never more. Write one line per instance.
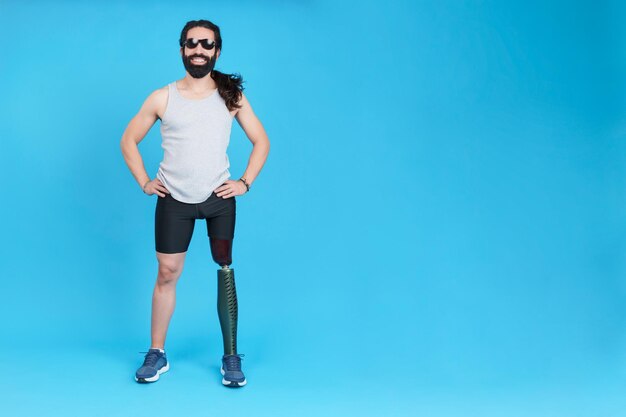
(174, 221)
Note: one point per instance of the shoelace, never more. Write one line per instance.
(151, 358)
(233, 362)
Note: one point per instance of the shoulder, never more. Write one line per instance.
(245, 113)
(241, 104)
(157, 100)
(160, 93)
(243, 101)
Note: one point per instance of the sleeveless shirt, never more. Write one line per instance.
(195, 135)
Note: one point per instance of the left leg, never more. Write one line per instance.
(220, 219)
(227, 307)
(221, 228)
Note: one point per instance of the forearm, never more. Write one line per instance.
(256, 161)
(134, 161)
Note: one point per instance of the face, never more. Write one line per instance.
(199, 61)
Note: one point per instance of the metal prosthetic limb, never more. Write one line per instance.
(221, 251)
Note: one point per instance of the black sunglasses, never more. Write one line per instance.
(193, 42)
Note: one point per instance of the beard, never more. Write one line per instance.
(199, 71)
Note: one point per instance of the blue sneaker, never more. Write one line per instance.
(231, 369)
(154, 364)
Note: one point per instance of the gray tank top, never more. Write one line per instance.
(195, 134)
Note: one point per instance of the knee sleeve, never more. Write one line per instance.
(221, 251)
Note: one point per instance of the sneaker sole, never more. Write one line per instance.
(156, 377)
(232, 383)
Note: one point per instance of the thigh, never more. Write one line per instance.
(220, 218)
(173, 225)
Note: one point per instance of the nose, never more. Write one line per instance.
(199, 50)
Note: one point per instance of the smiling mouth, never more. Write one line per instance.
(199, 61)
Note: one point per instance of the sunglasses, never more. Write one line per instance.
(193, 42)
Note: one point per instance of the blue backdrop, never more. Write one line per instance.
(439, 228)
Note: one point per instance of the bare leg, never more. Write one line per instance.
(164, 295)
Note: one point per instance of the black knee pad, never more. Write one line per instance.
(222, 251)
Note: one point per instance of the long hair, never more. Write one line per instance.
(229, 86)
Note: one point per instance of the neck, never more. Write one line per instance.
(199, 84)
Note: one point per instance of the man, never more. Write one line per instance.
(192, 182)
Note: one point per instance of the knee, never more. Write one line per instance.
(168, 273)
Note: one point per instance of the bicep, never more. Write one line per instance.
(248, 120)
(143, 120)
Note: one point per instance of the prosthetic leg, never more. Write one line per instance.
(227, 310)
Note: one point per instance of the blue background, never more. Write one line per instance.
(439, 228)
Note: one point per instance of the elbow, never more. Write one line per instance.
(261, 143)
(126, 144)
(123, 144)
(263, 146)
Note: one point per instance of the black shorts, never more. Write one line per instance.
(174, 221)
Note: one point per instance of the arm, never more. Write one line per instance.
(253, 128)
(135, 132)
